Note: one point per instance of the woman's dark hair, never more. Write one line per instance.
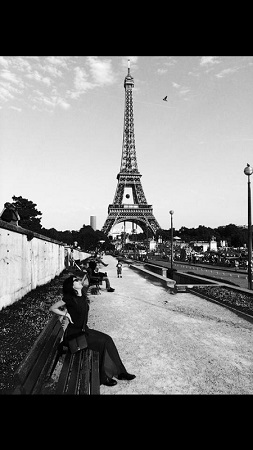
(68, 286)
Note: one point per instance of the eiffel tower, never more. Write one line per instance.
(129, 202)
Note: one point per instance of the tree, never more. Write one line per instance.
(62, 236)
(28, 214)
(188, 234)
(235, 236)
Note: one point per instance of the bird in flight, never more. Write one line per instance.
(165, 98)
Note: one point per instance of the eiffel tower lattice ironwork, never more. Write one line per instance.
(129, 202)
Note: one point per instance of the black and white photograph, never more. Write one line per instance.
(126, 263)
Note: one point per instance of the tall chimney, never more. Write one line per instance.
(93, 222)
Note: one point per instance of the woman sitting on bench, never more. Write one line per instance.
(94, 272)
(74, 305)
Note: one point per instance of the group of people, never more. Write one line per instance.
(75, 307)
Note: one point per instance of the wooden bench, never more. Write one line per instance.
(79, 373)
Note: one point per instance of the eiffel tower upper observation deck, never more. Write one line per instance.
(129, 202)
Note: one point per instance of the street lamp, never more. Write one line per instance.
(171, 237)
(248, 171)
(147, 242)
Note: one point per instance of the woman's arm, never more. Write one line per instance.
(55, 308)
(85, 279)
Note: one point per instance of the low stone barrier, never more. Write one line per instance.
(168, 282)
(156, 269)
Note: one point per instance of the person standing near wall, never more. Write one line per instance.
(10, 214)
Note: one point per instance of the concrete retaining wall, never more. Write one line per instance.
(27, 260)
(167, 282)
(185, 278)
(178, 276)
(156, 269)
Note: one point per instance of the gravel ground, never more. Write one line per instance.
(239, 300)
(175, 344)
(20, 325)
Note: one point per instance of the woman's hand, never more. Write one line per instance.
(69, 317)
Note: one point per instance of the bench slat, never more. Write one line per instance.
(95, 381)
(73, 381)
(53, 326)
(38, 372)
(63, 378)
(51, 354)
(84, 388)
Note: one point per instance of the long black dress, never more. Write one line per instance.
(110, 364)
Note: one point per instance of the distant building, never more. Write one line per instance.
(93, 222)
(205, 246)
(152, 244)
(213, 244)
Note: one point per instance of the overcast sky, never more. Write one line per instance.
(61, 134)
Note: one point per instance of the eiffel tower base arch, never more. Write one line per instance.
(141, 216)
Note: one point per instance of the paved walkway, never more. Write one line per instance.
(174, 344)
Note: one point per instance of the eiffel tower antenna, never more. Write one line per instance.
(129, 202)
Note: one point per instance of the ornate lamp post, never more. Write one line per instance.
(248, 171)
(171, 237)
